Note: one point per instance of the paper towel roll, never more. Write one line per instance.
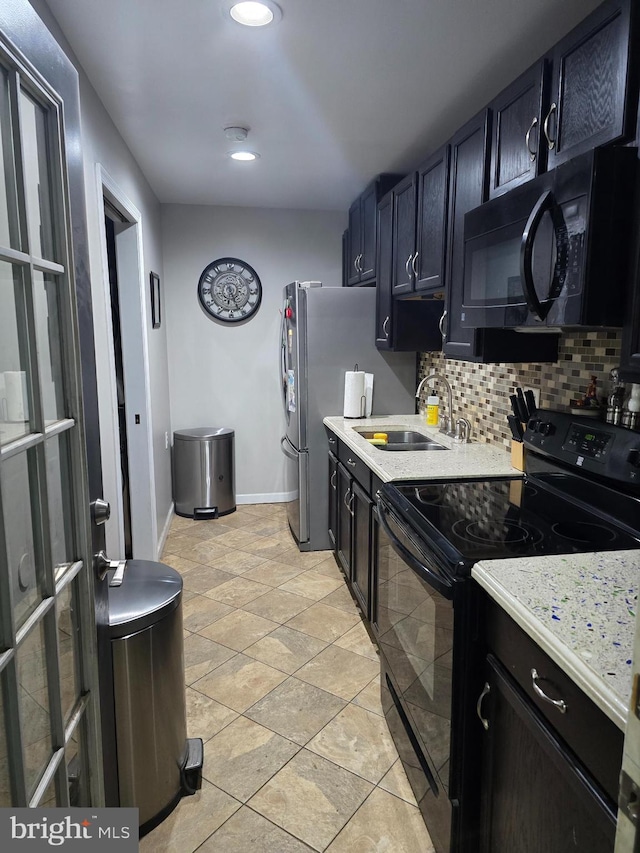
(354, 403)
(15, 382)
(368, 393)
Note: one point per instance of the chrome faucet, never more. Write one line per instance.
(446, 420)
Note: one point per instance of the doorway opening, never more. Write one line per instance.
(126, 428)
(113, 221)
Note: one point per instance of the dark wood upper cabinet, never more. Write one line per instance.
(517, 154)
(467, 189)
(405, 205)
(433, 192)
(419, 227)
(361, 241)
(594, 89)
(409, 325)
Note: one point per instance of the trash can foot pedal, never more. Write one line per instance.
(191, 772)
(205, 512)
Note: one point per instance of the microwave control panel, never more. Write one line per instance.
(574, 214)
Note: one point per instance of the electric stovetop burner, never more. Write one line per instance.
(507, 533)
(491, 519)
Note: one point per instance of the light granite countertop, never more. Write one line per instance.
(475, 459)
(580, 609)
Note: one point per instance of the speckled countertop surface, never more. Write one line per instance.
(580, 609)
(475, 459)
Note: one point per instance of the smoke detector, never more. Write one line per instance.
(236, 134)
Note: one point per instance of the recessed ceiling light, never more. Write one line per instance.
(254, 14)
(243, 155)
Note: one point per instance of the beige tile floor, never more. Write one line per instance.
(283, 688)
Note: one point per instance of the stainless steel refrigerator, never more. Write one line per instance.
(326, 331)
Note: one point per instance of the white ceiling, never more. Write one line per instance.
(336, 92)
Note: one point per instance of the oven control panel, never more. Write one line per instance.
(587, 441)
(611, 452)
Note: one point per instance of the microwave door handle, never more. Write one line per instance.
(544, 204)
(430, 576)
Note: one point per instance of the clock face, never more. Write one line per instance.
(229, 290)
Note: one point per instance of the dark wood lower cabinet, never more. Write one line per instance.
(333, 499)
(343, 538)
(362, 507)
(536, 795)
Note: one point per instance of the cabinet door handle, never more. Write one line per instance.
(527, 139)
(441, 325)
(550, 142)
(344, 499)
(350, 505)
(486, 689)
(355, 263)
(332, 441)
(351, 463)
(560, 704)
(333, 480)
(413, 265)
(360, 256)
(385, 327)
(406, 266)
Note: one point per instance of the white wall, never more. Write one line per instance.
(103, 144)
(227, 374)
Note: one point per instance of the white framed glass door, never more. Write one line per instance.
(49, 709)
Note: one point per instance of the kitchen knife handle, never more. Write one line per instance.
(530, 397)
(522, 404)
(515, 426)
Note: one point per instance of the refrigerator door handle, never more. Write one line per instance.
(288, 449)
(283, 362)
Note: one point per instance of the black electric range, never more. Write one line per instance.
(580, 493)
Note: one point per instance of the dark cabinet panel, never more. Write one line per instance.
(594, 87)
(333, 498)
(516, 152)
(362, 507)
(405, 203)
(344, 498)
(362, 249)
(467, 189)
(431, 230)
(535, 794)
(354, 243)
(368, 204)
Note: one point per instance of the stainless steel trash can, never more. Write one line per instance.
(157, 765)
(204, 472)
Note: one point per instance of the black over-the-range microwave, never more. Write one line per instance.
(553, 252)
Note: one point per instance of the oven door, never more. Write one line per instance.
(414, 625)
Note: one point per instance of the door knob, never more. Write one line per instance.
(100, 511)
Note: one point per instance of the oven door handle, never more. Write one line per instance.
(427, 574)
(545, 204)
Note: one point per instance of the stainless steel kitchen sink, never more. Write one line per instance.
(403, 439)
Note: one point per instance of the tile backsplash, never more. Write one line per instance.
(481, 391)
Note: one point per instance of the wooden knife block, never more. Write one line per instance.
(517, 455)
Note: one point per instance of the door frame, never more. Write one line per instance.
(133, 294)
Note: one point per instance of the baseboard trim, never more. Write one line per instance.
(165, 531)
(267, 498)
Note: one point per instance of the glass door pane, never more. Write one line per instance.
(14, 355)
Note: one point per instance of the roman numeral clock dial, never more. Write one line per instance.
(229, 290)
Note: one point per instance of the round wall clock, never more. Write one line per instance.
(229, 290)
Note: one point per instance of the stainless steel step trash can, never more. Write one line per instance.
(157, 764)
(204, 472)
